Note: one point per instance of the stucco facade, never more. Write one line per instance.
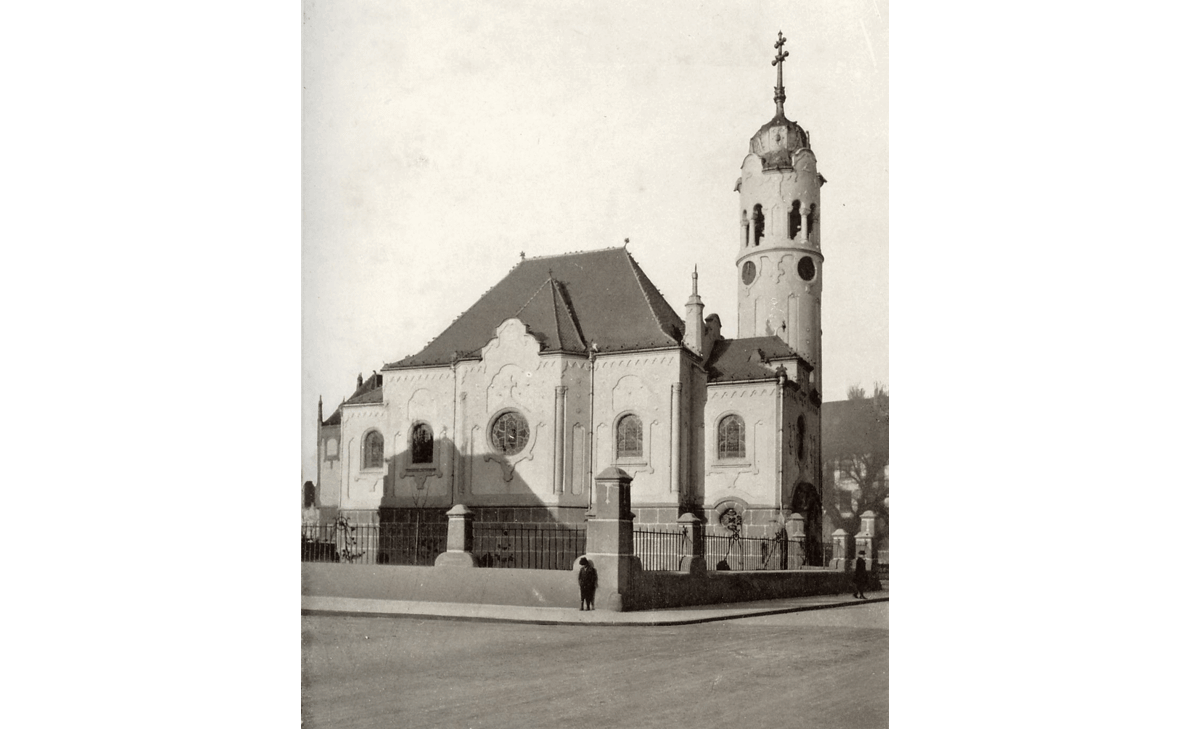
(575, 363)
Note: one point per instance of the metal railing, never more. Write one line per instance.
(343, 541)
(659, 550)
(527, 546)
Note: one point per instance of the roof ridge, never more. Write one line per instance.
(568, 253)
(534, 295)
(574, 321)
(638, 274)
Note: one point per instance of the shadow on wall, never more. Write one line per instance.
(408, 524)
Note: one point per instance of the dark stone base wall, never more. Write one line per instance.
(657, 590)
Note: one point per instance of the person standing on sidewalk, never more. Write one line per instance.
(587, 584)
(860, 577)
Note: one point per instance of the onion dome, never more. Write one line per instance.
(780, 139)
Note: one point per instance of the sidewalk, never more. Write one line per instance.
(314, 605)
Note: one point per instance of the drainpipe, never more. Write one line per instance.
(454, 422)
(781, 446)
(591, 428)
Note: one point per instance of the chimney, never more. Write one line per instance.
(711, 335)
(693, 337)
(359, 380)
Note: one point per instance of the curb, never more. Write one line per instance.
(616, 623)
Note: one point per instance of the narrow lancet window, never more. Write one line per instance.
(758, 225)
(730, 435)
(795, 218)
(421, 444)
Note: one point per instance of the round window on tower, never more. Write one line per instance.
(806, 268)
(748, 272)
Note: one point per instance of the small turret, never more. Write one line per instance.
(693, 337)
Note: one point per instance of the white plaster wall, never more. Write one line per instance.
(641, 384)
(753, 478)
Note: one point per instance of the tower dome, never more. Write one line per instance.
(778, 141)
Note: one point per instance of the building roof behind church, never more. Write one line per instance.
(745, 359)
(568, 302)
(854, 427)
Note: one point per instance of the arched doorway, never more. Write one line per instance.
(805, 501)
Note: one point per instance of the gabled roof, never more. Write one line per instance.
(744, 359)
(854, 427)
(568, 302)
(367, 393)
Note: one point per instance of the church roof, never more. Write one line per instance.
(369, 392)
(568, 302)
(745, 359)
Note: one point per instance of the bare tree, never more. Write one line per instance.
(855, 474)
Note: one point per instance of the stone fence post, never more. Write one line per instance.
(839, 551)
(459, 539)
(796, 533)
(610, 540)
(693, 561)
(866, 541)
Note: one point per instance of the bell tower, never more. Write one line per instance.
(779, 262)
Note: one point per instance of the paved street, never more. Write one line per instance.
(822, 669)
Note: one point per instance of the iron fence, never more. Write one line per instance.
(659, 550)
(732, 552)
(527, 546)
(343, 541)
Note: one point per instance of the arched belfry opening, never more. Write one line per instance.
(795, 222)
(758, 225)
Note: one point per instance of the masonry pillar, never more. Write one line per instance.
(610, 540)
(839, 551)
(459, 539)
(796, 534)
(866, 541)
(693, 560)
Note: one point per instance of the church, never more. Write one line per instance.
(573, 363)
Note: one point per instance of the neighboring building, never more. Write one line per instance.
(575, 362)
(856, 464)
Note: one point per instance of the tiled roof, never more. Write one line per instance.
(369, 392)
(744, 359)
(568, 302)
(336, 417)
(853, 427)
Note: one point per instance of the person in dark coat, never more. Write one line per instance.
(860, 577)
(587, 584)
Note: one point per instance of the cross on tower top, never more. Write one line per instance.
(779, 91)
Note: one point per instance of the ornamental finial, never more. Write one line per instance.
(779, 91)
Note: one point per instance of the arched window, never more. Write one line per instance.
(374, 450)
(795, 218)
(730, 436)
(421, 444)
(744, 228)
(510, 433)
(628, 437)
(810, 219)
(758, 225)
(800, 437)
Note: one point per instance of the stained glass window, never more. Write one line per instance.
(628, 437)
(421, 444)
(510, 433)
(374, 450)
(731, 437)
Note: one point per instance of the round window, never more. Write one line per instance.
(806, 268)
(748, 272)
(510, 433)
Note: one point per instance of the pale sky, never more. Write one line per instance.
(439, 140)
